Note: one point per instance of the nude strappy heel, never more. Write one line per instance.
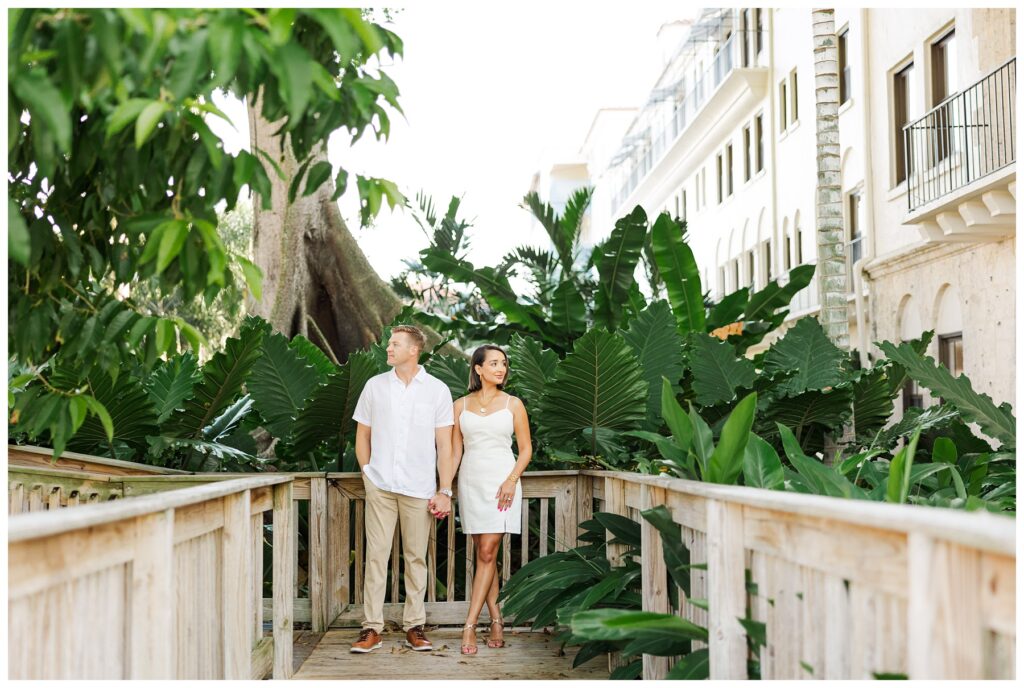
(500, 642)
(469, 649)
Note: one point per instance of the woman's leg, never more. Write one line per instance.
(496, 631)
(486, 555)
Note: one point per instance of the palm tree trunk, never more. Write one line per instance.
(829, 233)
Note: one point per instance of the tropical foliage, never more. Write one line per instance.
(116, 176)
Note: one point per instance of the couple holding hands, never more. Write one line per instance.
(409, 433)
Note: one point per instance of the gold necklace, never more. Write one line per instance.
(483, 406)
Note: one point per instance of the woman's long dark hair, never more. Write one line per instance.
(479, 355)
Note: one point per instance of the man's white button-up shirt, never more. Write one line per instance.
(402, 419)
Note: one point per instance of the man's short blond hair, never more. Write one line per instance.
(415, 333)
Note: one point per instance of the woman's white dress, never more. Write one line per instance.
(487, 460)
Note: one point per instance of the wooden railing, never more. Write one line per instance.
(846, 589)
(162, 586)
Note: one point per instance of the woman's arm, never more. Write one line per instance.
(521, 427)
(457, 438)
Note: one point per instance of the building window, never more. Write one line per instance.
(787, 253)
(793, 116)
(759, 141)
(750, 268)
(735, 274)
(766, 262)
(943, 68)
(951, 352)
(745, 34)
(682, 205)
(720, 171)
(728, 170)
(912, 396)
(721, 281)
(798, 248)
(782, 106)
(746, 154)
(901, 95)
(844, 67)
(855, 248)
(758, 31)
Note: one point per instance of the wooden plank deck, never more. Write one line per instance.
(527, 655)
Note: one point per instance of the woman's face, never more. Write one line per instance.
(494, 369)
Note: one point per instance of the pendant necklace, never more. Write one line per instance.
(483, 406)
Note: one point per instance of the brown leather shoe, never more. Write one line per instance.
(369, 640)
(417, 639)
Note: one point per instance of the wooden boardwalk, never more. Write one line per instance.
(527, 655)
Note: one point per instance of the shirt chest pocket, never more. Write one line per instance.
(423, 415)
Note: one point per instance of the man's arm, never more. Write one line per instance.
(362, 445)
(441, 504)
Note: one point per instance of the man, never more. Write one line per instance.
(404, 429)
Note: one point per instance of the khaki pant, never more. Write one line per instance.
(383, 511)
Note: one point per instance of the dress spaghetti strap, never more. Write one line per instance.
(508, 400)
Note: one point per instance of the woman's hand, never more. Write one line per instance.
(506, 493)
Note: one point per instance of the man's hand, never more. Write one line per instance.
(440, 505)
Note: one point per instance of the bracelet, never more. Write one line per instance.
(512, 478)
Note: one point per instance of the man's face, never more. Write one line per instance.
(401, 349)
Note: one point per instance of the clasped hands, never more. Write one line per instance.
(439, 506)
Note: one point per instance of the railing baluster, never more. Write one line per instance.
(543, 526)
(450, 560)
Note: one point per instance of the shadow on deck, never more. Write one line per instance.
(527, 655)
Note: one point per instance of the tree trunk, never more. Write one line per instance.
(829, 234)
(316, 280)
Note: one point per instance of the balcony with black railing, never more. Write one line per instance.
(959, 160)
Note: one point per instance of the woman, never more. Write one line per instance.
(490, 499)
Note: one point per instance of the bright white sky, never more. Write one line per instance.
(489, 97)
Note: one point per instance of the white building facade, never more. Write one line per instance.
(927, 106)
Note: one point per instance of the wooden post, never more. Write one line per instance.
(653, 575)
(584, 501)
(237, 598)
(726, 591)
(319, 558)
(256, 536)
(285, 540)
(338, 547)
(615, 503)
(565, 518)
(152, 636)
(944, 623)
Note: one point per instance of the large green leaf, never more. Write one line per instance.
(314, 356)
(451, 370)
(764, 303)
(131, 412)
(675, 418)
(931, 418)
(728, 310)
(616, 260)
(624, 624)
(800, 412)
(726, 461)
(223, 377)
(761, 465)
(995, 421)
(677, 556)
(806, 351)
(494, 286)
(695, 666)
(327, 415)
(872, 402)
(531, 368)
(226, 423)
(171, 384)
(678, 268)
(598, 385)
(716, 369)
(280, 382)
(568, 311)
(899, 480)
(658, 346)
(820, 478)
